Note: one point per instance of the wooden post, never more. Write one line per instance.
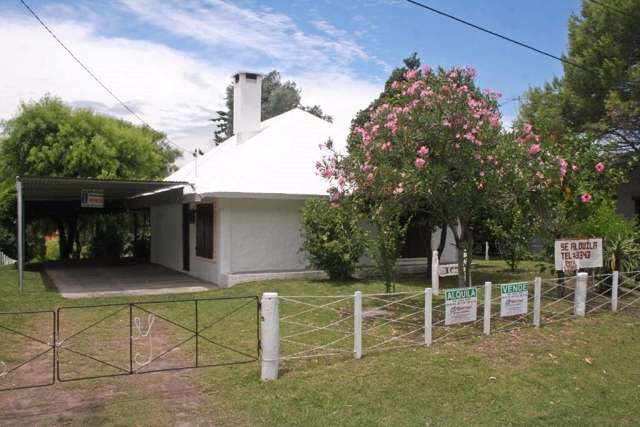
(435, 273)
(537, 300)
(487, 308)
(580, 298)
(428, 316)
(270, 336)
(357, 325)
(614, 291)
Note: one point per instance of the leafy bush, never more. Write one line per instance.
(333, 239)
(620, 236)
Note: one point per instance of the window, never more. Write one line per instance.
(204, 231)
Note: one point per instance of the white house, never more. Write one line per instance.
(240, 218)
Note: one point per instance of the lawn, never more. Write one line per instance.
(572, 373)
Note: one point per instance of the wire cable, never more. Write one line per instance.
(109, 91)
(493, 33)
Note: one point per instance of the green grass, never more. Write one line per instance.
(582, 372)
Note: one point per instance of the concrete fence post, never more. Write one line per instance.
(435, 273)
(270, 336)
(487, 308)
(580, 299)
(486, 251)
(537, 301)
(357, 325)
(614, 291)
(428, 316)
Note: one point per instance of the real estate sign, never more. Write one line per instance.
(92, 198)
(574, 254)
(514, 299)
(461, 305)
(448, 270)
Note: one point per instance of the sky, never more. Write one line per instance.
(171, 60)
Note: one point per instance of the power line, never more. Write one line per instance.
(109, 91)
(493, 33)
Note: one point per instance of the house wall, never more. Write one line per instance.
(628, 193)
(265, 235)
(166, 236)
(254, 239)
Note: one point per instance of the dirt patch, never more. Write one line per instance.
(159, 398)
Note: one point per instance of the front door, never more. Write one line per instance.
(186, 255)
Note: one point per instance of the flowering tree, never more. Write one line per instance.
(436, 141)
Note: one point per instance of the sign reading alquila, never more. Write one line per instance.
(461, 305)
(514, 299)
(574, 254)
(92, 199)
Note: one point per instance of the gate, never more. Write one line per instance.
(109, 340)
(27, 349)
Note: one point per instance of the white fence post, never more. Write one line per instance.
(537, 297)
(487, 308)
(435, 273)
(580, 299)
(614, 291)
(270, 336)
(357, 325)
(486, 251)
(428, 316)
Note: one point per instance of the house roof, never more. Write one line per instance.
(278, 162)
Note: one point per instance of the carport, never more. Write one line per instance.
(55, 194)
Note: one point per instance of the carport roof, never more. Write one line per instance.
(56, 188)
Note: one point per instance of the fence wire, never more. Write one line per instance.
(323, 326)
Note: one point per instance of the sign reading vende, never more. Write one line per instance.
(461, 305)
(514, 299)
(574, 254)
(92, 198)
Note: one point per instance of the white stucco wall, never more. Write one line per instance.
(166, 236)
(254, 239)
(450, 253)
(265, 235)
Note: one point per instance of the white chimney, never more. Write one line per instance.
(247, 100)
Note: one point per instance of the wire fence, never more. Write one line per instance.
(6, 260)
(353, 325)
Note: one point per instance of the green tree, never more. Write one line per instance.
(278, 97)
(48, 138)
(603, 92)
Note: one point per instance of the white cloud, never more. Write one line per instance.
(274, 36)
(173, 90)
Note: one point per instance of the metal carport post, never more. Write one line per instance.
(20, 224)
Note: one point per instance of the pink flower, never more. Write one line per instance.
(411, 74)
(534, 149)
(423, 151)
(395, 85)
(600, 167)
(481, 173)
(586, 198)
(420, 162)
(527, 127)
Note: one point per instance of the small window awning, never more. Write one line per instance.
(69, 189)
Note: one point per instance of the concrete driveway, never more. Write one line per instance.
(82, 280)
